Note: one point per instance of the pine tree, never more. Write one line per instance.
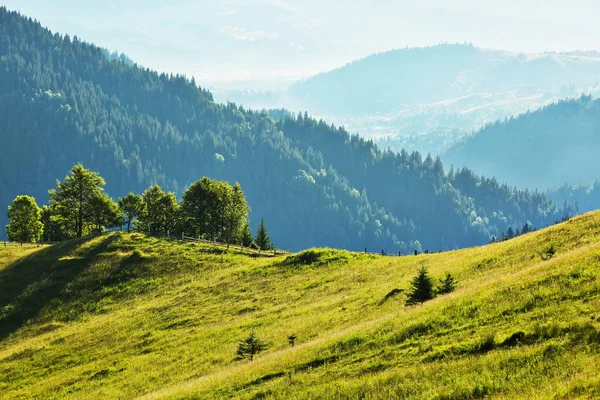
(262, 237)
(510, 233)
(250, 347)
(421, 288)
(292, 339)
(246, 235)
(447, 284)
(25, 220)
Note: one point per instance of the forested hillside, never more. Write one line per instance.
(580, 198)
(63, 101)
(543, 149)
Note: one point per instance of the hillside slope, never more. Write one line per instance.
(63, 101)
(124, 316)
(544, 149)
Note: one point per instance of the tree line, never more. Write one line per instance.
(79, 206)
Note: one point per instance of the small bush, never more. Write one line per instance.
(391, 293)
(486, 344)
(514, 340)
(548, 252)
(318, 258)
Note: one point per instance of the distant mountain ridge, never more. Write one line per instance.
(387, 81)
(64, 101)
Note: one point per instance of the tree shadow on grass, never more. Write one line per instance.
(32, 282)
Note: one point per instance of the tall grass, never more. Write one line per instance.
(126, 316)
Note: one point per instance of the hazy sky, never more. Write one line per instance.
(226, 42)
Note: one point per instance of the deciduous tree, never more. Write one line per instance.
(132, 206)
(236, 213)
(103, 212)
(25, 220)
(71, 200)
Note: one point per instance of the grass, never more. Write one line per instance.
(128, 316)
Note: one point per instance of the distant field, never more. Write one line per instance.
(129, 316)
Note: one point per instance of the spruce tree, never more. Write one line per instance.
(250, 346)
(510, 233)
(263, 241)
(246, 235)
(447, 284)
(421, 288)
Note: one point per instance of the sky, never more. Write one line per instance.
(267, 44)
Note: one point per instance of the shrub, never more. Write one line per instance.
(486, 344)
(548, 252)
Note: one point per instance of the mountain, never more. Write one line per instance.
(129, 316)
(64, 101)
(543, 149)
(387, 81)
(428, 99)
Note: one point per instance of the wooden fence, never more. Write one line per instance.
(240, 248)
(33, 244)
(385, 254)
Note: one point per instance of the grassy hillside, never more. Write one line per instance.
(127, 316)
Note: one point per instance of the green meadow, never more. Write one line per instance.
(123, 316)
